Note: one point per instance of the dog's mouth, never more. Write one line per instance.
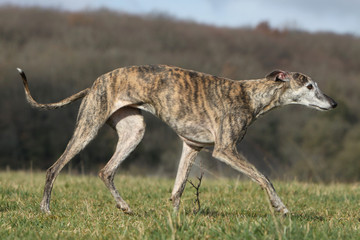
(319, 108)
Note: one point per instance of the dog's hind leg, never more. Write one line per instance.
(130, 126)
(186, 161)
(92, 115)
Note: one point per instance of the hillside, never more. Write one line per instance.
(64, 52)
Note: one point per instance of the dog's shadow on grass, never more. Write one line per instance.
(254, 214)
(308, 217)
(259, 214)
(206, 211)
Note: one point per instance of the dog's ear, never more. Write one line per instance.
(279, 75)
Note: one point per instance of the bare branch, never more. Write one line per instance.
(197, 188)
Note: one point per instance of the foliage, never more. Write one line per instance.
(64, 52)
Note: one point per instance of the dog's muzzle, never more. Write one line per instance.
(331, 101)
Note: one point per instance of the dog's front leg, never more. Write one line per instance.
(231, 157)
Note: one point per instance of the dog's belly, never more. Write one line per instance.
(198, 137)
(192, 132)
(196, 133)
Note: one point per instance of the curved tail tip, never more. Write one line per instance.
(22, 74)
(19, 70)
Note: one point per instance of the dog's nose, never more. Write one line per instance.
(333, 104)
(332, 101)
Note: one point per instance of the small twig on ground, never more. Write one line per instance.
(197, 188)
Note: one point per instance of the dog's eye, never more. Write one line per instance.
(310, 86)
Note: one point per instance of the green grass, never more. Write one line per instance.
(82, 208)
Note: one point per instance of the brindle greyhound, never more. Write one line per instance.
(204, 110)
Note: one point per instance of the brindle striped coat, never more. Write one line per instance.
(204, 110)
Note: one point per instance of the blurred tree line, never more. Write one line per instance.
(64, 52)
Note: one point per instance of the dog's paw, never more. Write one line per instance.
(284, 212)
(45, 209)
(125, 209)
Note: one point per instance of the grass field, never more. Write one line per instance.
(82, 208)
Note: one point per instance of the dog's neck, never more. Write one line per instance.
(264, 95)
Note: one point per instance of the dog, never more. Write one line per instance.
(204, 110)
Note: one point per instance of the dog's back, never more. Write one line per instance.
(188, 101)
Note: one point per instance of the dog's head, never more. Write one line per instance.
(301, 89)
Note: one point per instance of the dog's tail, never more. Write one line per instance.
(49, 106)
